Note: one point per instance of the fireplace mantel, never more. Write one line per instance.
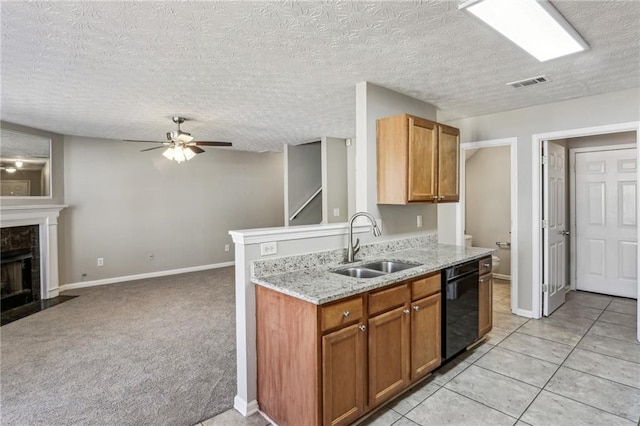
(46, 217)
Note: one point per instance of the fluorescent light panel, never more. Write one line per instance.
(534, 25)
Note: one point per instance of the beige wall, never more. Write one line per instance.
(303, 177)
(488, 200)
(606, 109)
(57, 167)
(124, 205)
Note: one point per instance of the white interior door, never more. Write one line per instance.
(606, 235)
(555, 229)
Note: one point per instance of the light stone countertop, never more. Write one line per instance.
(319, 285)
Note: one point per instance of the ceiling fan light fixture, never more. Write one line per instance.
(10, 169)
(534, 25)
(184, 137)
(178, 154)
(188, 153)
(168, 154)
(19, 164)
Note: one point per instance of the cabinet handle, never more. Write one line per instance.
(441, 197)
(416, 308)
(435, 197)
(406, 311)
(362, 327)
(486, 265)
(346, 314)
(481, 280)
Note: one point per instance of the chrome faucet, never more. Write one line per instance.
(352, 249)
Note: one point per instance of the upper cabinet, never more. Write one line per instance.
(418, 161)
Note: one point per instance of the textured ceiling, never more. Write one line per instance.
(20, 146)
(261, 74)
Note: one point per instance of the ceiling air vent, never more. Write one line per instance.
(529, 81)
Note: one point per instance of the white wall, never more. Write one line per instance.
(374, 102)
(610, 108)
(125, 204)
(488, 200)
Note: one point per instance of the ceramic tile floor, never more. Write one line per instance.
(579, 366)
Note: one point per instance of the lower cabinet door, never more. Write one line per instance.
(485, 304)
(426, 354)
(344, 375)
(389, 354)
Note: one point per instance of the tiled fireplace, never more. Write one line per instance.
(20, 266)
(29, 253)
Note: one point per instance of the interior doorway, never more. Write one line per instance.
(574, 141)
(488, 208)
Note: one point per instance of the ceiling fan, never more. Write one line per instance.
(180, 145)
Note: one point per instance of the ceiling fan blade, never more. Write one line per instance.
(196, 150)
(151, 149)
(210, 143)
(131, 140)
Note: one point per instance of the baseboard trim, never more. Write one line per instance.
(165, 273)
(502, 277)
(523, 313)
(245, 408)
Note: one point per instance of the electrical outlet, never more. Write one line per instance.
(226, 247)
(267, 249)
(336, 212)
(151, 257)
(419, 221)
(101, 261)
(84, 275)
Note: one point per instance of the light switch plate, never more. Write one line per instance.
(336, 212)
(267, 249)
(419, 221)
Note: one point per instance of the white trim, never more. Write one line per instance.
(523, 313)
(283, 233)
(245, 408)
(502, 277)
(269, 419)
(536, 199)
(146, 275)
(573, 272)
(45, 216)
(460, 215)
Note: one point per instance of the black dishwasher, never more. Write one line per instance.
(460, 310)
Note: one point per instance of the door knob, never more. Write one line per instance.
(563, 232)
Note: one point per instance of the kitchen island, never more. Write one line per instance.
(331, 348)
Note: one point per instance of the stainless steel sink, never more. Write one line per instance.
(389, 267)
(359, 272)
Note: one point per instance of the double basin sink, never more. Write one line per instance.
(375, 269)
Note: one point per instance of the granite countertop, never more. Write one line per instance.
(319, 285)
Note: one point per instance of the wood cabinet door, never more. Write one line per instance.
(425, 335)
(448, 164)
(343, 375)
(423, 160)
(485, 318)
(389, 354)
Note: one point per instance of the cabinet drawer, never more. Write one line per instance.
(341, 313)
(426, 286)
(386, 299)
(485, 265)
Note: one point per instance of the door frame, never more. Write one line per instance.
(573, 272)
(536, 199)
(460, 208)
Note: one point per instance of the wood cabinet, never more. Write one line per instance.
(344, 362)
(317, 364)
(485, 297)
(426, 353)
(389, 328)
(418, 161)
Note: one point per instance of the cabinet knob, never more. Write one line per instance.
(406, 311)
(481, 280)
(362, 327)
(346, 314)
(435, 197)
(486, 265)
(416, 308)
(441, 197)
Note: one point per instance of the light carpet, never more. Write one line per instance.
(159, 351)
